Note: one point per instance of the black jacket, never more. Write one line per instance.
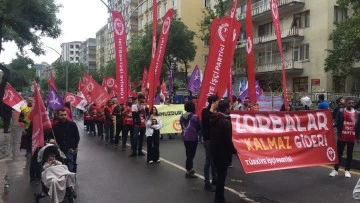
(66, 135)
(221, 136)
(118, 110)
(205, 123)
(339, 123)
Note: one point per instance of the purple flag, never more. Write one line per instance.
(157, 99)
(194, 83)
(54, 100)
(171, 86)
(258, 91)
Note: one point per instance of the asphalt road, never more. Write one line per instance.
(106, 174)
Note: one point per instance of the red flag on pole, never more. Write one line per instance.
(93, 92)
(51, 81)
(275, 17)
(121, 57)
(153, 47)
(250, 58)
(232, 13)
(75, 101)
(40, 120)
(12, 98)
(144, 81)
(163, 90)
(154, 72)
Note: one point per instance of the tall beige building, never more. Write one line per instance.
(190, 13)
(305, 26)
(101, 39)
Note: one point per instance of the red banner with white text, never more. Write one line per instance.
(121, 57)
(276, 20)
(267, 141)
(154, 72)
(250, 58)
(215, 63)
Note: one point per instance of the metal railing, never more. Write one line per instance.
(289, 65)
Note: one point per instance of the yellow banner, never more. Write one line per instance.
(170, 116)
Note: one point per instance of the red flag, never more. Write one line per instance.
(153, 47)
(155, 70)
(215, 64)
(250, 53)
(275, 17)
(12, 98)
(226, 70)
(93, 92)
(232, 13)
(51, 81)
(143, 83)
(121, 57)
(40, 120)
(163, 90)
(109, 83)
(75, 101)
(131, 93)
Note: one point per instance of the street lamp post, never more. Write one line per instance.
(66, 68)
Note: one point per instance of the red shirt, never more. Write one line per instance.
(128, 120)
(348, 130)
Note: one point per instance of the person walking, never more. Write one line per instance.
(67, 107)
(205, 123)
(221, 146)
(190, 125)
(67, 136)
(348, 131)
(109, 122)
(128, 125)
(26, 138)
(118, 113)
(153, 126)
(138, 113)
(100, 119)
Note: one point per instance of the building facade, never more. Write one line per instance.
(70, 51)
(101, 38)
(129, 11)
(305, 29)
(88, 54)
(42, 70)
(190, 13)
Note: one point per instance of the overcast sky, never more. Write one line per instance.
(81, 19)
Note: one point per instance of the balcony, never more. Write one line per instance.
(291, 66)
(261, 10)
(285, 35)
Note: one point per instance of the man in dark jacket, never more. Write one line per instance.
(221, 145)
(118, 113)
(6, 111)
(67, 136)
(6, 114)
(205, 123)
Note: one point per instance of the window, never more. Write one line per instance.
(340, 14)
(71, 58)
(77, 46)
(301, 52)
(302, 20)
(207, 4)
(300, 84)
(77, 52)
(92, 56)
(174, 4)
(71, 46)
(266, 29)
(206, 42)
(205, 59)
(71, 52)
(77, 58)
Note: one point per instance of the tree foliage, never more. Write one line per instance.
(107, 70)
(220, 10)
(25, 22)
(346, 42)
(75, 72)
(22, 72)
(180, 49)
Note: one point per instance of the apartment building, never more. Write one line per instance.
(88, 54)
(190, 13)
(70, 51)
(101, 38)
(305, 29)
(129, 11)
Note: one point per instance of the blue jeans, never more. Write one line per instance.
(70, 161)
(209, 163)
(137, 139)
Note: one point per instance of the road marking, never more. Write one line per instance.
(240, 194)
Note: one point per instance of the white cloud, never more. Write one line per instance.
(81, 19)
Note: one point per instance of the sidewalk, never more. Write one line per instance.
(5, 157)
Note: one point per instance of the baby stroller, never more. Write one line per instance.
(53, 151)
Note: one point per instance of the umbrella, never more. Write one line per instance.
(306, 101)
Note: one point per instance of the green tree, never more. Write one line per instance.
(22, 72)
(75, 72)
(221, 8)
(107, 70)
(180, 49)
(346, 42)
(25, 22)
